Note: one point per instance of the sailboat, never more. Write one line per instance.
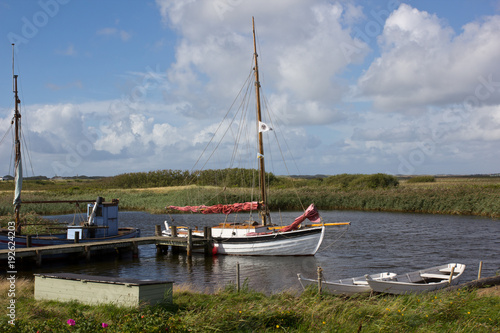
(102, 217)
(259, 238)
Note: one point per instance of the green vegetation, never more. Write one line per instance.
(349, 181)
(33, 224)
(252, 311)
(422, 179)
(154, 191)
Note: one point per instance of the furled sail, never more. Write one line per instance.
(311, 214)
(215, 209)
(18, 180)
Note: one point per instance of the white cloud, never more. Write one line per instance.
(69, 51)
(423, 62)
(114, 32)
(299, 60)
(321, 84)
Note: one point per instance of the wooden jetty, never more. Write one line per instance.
(87, 249)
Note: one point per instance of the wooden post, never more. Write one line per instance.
(135, 250)
(480, 269)
(28, 241)
(158, 233)
(87, 253)
(238, 277)
(77, 237)
(38, 258)
(207, 232)
(320, 279)
(190, 242)
(173, 233)
(451, 274)
(157, 230)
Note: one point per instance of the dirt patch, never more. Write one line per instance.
(491, 291)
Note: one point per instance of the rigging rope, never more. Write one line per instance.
(217, 130)
(335, 240)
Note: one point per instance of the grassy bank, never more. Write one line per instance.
(250, 311)
(463, 196)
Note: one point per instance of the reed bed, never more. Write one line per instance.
(462, 196)
(227, 310)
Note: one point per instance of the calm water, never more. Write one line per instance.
(374, 242)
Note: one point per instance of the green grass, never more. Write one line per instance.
(249, 311)
(450, 195)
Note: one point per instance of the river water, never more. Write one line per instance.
(374, 242)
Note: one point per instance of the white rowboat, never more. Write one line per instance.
(425, 280)
(349, 286)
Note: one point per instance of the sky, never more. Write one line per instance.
(363, 86)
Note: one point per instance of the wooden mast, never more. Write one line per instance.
(262, 170)
(17, 143)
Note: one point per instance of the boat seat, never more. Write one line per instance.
(360, 283)
(448, 269)
(435, 276)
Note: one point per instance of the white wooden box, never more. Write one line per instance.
(91, 289)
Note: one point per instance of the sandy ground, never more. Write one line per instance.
(491, 291)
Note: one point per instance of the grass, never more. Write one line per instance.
(249, 311)
(447, 195)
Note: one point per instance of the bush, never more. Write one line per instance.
(422, 179)
(348, 181)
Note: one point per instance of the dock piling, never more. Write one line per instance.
(190, 242)
(88, 249)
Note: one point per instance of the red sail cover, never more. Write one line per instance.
(215, 209)
(311, 213)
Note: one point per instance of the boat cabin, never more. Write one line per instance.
(102, 221)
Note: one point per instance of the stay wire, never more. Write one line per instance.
(216, 131)
(334, 242)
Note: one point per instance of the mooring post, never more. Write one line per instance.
(190, 242)
(173, 231)
(158, 233)
(480, 269)
(207, 231)
(157, 230)
(451, 274)
(238, 277)
(87, 253)
(320, 278)
(135, 249)
(38, 258)
(28, 241)
(77, 237)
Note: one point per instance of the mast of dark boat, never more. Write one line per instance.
(17, 147)
(262, 170)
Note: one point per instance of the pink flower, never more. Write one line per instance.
(71, 322)
(104, 325)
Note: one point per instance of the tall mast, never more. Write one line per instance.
(18, 167)
(262, 169)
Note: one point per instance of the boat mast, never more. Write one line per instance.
(262, 169)
(17, 143)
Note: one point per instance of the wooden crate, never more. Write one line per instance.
(91, 289)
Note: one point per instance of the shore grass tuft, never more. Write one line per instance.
(227, 310)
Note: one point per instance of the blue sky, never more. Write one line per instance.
(110, 87)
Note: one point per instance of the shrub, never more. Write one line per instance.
(422, 179)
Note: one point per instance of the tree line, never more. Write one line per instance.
(239, 177)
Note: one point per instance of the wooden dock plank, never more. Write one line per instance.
(85, 247)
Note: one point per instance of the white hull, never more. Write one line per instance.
(234, 240)
(348, 287)
(302, 242)
(426, 280)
